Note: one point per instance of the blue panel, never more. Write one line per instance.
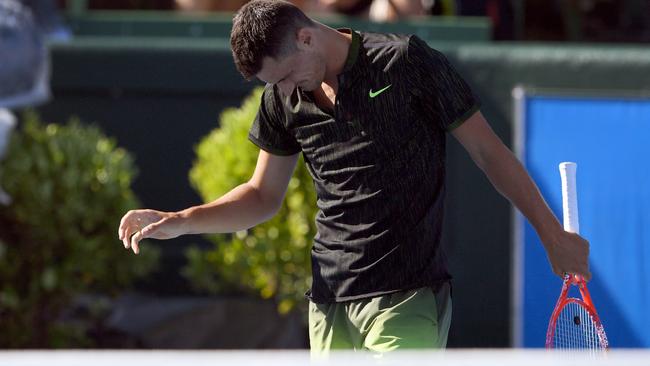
(609, 139)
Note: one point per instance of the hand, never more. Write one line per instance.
(569, 254)
(141, 224)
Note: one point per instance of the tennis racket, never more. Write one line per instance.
(574, 323)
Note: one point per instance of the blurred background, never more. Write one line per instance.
(111, 105)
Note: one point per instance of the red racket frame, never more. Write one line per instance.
(573, 280)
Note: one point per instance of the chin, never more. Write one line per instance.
(310, 87)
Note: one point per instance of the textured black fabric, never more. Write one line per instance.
(378, 164)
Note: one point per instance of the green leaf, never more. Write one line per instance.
(70, 186)
(49, 279)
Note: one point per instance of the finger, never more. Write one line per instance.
(135, 242)
(128, 235)
(587, 276)
(120, 231)
(122, 227)
(129, 227)
(582, 272)
(126, 239)
(150, 230)
(125, 233)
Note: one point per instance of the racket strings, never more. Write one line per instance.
(576, 329)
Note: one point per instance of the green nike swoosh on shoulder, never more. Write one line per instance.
(374, 94)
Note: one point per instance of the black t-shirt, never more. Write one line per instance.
(378, 164)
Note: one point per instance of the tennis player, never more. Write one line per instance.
(370, 113)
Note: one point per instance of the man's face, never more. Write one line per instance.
(303, 68)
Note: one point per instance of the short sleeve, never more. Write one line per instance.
(442, 92)
(268, 131)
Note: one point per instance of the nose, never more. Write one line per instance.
(286, 87)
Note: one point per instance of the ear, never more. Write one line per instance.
(305, 38)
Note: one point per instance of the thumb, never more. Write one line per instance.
(147, 232)
(150, 230)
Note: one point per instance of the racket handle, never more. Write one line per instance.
(569, 197)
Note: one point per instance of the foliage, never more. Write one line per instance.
(58, 238)
(271, 259)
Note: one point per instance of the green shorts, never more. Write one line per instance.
(417, 318)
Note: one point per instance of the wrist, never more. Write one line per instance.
(551, 235)
(183, 219)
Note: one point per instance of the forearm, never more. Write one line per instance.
(567, 252)
(240, 209)
(510, 178)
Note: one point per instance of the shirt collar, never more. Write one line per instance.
(352, 62)
(353, 51)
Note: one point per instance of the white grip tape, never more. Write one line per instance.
(569, 197)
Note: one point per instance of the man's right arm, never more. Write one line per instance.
(245, 206)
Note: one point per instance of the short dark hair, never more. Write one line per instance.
(264, 28)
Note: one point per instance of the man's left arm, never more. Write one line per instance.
(567, 252)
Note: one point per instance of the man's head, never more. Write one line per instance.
(274, 41)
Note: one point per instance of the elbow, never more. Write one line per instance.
(269, 204)
(272, 210)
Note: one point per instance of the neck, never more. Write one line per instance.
(336, 46)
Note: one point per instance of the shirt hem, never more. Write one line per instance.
(270, 149)
(340, 299)
(464, 117)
